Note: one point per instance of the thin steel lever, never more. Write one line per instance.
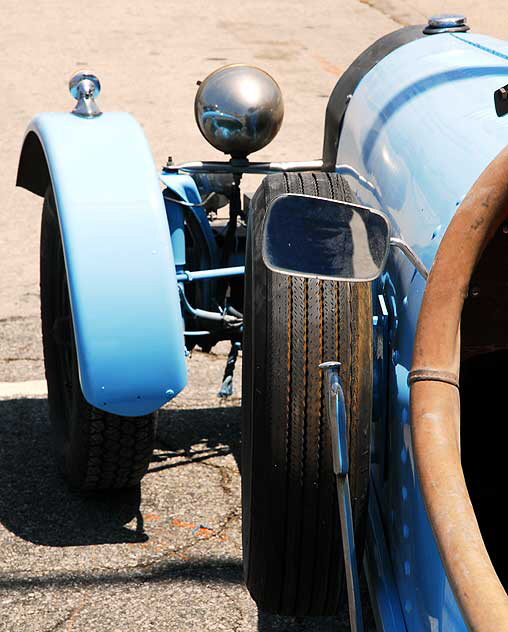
(336, 415)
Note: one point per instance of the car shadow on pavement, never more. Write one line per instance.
(205, 570)
(35, 503)
(37, 506)
(196, 435)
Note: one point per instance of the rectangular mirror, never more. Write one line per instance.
(317, 237)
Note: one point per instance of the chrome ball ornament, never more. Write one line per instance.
(239, 109)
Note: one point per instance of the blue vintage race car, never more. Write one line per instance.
(372, 319)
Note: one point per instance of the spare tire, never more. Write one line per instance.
(293, 559)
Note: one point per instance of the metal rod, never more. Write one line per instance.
(226, 389)
(205, 200)
(246, 167)
(197, 333)
(411, 255)
(348, 545)
(206, 315)
(198, 275)
(336, 415)
(217, 166)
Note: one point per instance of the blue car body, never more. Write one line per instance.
(419, 129)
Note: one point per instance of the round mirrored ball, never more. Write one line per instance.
(239, 109)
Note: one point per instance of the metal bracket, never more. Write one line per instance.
(411, 255)
(336, 416)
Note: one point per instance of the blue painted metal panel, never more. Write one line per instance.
(378, 569)
(185, 189)
(176, 221)
(420, 128)
(120, 267)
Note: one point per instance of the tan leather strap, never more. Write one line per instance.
(432, 375)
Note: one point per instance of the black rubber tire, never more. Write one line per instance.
(293, 561)
(95, 450)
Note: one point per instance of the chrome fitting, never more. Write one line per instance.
(446, 23)
(84, 86)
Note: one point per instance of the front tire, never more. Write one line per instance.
(293, 560)
(95, 450)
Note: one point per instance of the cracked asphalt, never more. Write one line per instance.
(166, 556)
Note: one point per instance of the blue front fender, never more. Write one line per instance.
(118, 255)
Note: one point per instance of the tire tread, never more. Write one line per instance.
(292, 548)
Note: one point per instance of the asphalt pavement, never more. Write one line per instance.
(165, 556)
